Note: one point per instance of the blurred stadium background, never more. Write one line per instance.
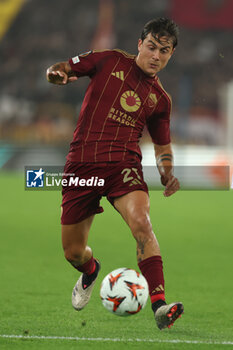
(37, 119)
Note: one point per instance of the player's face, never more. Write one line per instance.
(154, 55)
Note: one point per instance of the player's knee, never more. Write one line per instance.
(140, 225)
(74, 253)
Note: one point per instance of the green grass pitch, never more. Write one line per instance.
(195, 231)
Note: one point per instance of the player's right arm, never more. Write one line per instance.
(61, 73)
(84, 64)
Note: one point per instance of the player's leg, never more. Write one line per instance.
(74, 241)
(134, 208)
(79, 205)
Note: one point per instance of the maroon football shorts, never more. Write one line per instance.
(86, 183)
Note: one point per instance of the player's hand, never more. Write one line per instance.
(171, 184)
(59, 77)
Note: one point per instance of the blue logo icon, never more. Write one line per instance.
(35, 178)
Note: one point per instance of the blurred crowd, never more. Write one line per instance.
(46, 32)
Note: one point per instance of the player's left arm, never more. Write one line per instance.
(159, 128)
(164, 160)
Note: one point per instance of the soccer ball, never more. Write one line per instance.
(124, 292)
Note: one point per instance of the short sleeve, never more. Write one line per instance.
(159, 123)
(86, 64)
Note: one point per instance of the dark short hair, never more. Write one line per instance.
(160, 27)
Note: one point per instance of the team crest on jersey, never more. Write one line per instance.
(152, 100)
(130, 101)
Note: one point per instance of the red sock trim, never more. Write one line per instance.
(157, 297)
(88, 267)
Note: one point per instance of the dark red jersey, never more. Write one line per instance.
(119, 101)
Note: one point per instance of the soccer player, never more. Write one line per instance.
(123, 96)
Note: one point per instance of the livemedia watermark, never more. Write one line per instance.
(197, 178)
(53, 178)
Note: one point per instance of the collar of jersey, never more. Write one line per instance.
(145, 76)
